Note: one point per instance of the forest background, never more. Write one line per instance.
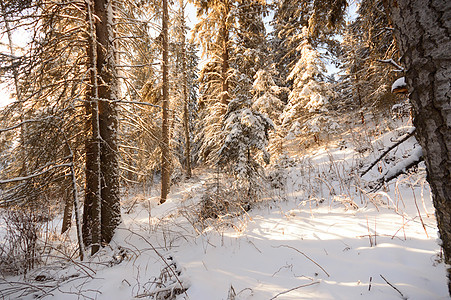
(110, 100)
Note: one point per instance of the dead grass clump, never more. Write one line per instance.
(219, 202)
(20, 250)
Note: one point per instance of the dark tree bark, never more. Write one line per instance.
(67, 213)
(91, 209)
(101, 213)
(165, 155)
(422, 30)
(108, 89)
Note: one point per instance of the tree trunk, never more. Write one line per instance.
(422, 30)
(185, 98)
(225, 62)
(91, 209)
(165, 155)
(67, 213)
(108, 90)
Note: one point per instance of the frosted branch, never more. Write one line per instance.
(392, 62)
(387, 150)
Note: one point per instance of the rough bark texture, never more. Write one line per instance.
(108, 89)
(101, 213)
(165, 155)
(422, 30)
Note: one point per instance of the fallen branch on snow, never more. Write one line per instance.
(386, 151)
(396, 289)
(286, 246)
(401, 168)
(295, 288)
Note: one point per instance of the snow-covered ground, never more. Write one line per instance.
(323, 236)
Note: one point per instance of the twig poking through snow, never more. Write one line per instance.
(295, 288)
(396, 289)
(286, 246)
(369, 233)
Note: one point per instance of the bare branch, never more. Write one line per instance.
(295, 288)
(286, 246)
(35, 174)
(396, 289)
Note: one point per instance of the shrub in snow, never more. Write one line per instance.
(20, 250)
(278, 174)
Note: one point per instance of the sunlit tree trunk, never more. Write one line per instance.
(225, 61)
(102, 206)
(422, 30)
(108, 93)
(185, 97)
(165, 155)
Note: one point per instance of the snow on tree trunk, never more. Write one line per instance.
(91, 210)
(422, 31)
(108, 89)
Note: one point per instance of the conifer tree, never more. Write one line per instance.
(299, 29)
(140, 129)
(70, 61)
(369, 48)
(47, 116)
(217, 20)
(250, 52)
(183, 89)
(309, 96)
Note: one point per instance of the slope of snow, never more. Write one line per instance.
(320, 238)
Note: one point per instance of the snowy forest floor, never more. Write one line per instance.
(322, 235)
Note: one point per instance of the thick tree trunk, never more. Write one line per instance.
(108, 89)
(165, 155)
(422, 30)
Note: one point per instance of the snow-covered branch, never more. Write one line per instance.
(387, 150)
(392, 62)
(400, 168)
